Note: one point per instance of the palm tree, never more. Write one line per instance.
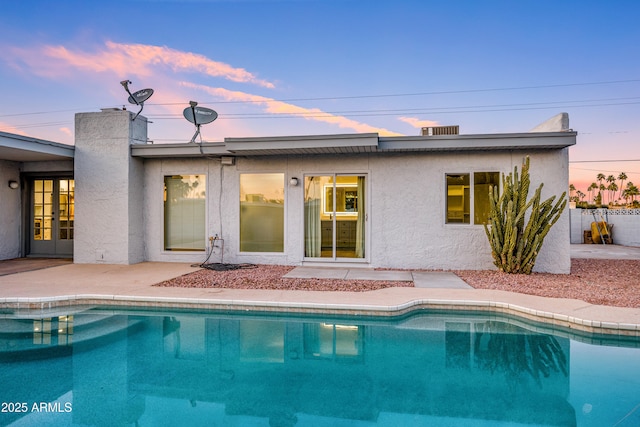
(610, 179)
(632, 191)
(600, 196)
(572, 188)
(600, 177)
(622, 177)
(592, 187)
(612, 188)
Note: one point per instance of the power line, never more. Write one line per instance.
(38, 112)
(445, 92)
(387, 112)
(420, 110)
(379, 113)
(629, 173)
(392, 95)
(604, 161)
(44, 124)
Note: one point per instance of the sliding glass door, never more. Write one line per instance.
(335, 216)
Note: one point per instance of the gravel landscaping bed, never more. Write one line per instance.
(596, 281)
(270, 277)
(603, 282)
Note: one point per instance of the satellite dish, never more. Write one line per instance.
(137, 98)
(140, 96)
(198, 116)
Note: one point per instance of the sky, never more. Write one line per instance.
(302, 67)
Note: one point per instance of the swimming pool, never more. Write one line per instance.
(100, 366)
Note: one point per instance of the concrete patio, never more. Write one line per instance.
(131, 285)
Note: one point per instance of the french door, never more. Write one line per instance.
(335, 216)
(52, 216)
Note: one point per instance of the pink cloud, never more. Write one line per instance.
(66, 131)
(417, 123)
(127, 59)
(4, 127)
(279, 107)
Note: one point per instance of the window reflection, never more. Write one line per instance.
(262, 341)
(458, 344)
(184, 337)
(332, 341)
(53, 331)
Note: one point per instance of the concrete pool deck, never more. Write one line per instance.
(131, 285)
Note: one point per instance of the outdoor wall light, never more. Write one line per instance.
(293, 182)
(13, 184)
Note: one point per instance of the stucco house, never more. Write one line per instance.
(364, 200)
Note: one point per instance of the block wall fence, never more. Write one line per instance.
(626, 224)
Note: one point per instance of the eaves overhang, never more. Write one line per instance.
(20, 148)
(205, 149)
(481, 142)
(310, 144)
(356, 144)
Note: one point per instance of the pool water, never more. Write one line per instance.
(106, 367)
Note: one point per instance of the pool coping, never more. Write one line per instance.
(133, 285)
(571, 322)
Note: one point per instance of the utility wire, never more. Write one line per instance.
(392, 95)
(395, 95)
(401, 110)
(392, 112)
(604, 161)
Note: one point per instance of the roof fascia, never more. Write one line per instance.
(211, 149)
(289, 143)
(502, 141)
(36, 146)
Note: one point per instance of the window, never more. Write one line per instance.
(184, 213)
(262, 212)
(466, 191)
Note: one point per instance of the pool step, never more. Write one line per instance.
(22, 339)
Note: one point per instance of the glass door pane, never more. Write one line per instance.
(318, 222)
(66, 189)
(350, 216)
(335, 216)
(42, 209)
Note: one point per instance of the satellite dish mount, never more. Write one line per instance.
(137, 98)
(198, 116)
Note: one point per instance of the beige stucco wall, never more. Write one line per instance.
(109, 188)
(10, 208)
(406, 193)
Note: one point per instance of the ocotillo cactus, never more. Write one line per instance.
(514, 245)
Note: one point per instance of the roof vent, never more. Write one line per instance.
(441, 130)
